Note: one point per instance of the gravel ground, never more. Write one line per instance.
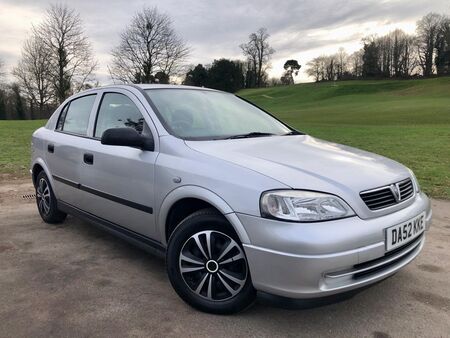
(76, 280)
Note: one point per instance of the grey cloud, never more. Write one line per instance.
(216, 28)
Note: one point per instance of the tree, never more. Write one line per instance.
(291, 68)
(442, 59)
(391, 55)
(226, 75)
(19, 107)
(2, 71)
(314, 69)
(161, 77)
(330, 68)
(148, 45)
(197, 76)
(371, 66)
(34, 74)
(258, 53)
(356, 63)
(341, 58)
(427, 34)
(2, 92)
(71, 58)
(403, 56)
(2, 104)
(274, 81)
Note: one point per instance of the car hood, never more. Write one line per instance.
(305, 162)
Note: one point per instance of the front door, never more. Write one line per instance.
(117, 183)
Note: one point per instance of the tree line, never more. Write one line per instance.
(57, 60)
(394, 55)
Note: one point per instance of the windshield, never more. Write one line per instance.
(205, 115)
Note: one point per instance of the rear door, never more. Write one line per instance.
(64, 151)
(117, 181)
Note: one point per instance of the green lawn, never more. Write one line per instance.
(15, 145)
(408, 121)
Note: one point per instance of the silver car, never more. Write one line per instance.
(238, 201)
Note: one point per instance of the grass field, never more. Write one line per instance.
(15, 145)
(408, 121)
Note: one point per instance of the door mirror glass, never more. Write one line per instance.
(127, 137)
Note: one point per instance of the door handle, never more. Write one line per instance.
(88, 158)
(51, 148)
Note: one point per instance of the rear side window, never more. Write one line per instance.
(118, 111)
(74, 117)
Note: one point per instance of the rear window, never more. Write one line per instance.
(74, 117)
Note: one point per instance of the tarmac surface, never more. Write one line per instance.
(76, 280)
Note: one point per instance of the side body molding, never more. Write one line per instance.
(193, 191)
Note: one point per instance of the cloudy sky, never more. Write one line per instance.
(300, 29)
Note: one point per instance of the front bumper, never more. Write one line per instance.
(311, 260)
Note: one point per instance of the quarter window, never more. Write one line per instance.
(74, 117)
(118, 111)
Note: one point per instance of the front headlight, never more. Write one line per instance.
(303, 206)
(415, 181)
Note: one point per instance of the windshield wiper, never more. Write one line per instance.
(293, 132)
(248, 135)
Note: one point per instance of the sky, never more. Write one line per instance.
(299, 29)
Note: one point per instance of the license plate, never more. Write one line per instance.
(405, 232)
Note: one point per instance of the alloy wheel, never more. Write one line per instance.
(213, 265)
(43, 196)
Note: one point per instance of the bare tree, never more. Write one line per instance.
(3, 97)
(341, 63)
(71, 57)
(330, 68)
(356, 63)
(33, 74)
(427, 34)
(322, 68)
(148, 46)
(314, 69)
(403, 54)
(2, 70)
(258, 53)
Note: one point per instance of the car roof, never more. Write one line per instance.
(149, 86)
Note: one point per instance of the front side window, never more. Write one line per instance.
(204, 114)
(74, 117)
(118, 111)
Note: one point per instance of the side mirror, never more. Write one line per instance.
(128, 137)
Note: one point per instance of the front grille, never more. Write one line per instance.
(406, 189)
(389, 195)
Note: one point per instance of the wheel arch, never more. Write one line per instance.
(37, 167)
(202, 195)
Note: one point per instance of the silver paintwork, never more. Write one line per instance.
(285, 258)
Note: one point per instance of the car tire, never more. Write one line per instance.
(207, 266)
(46, 201)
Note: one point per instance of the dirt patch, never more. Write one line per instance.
(17, 191)
(434, 300)
(430, 268)
(379, 334)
